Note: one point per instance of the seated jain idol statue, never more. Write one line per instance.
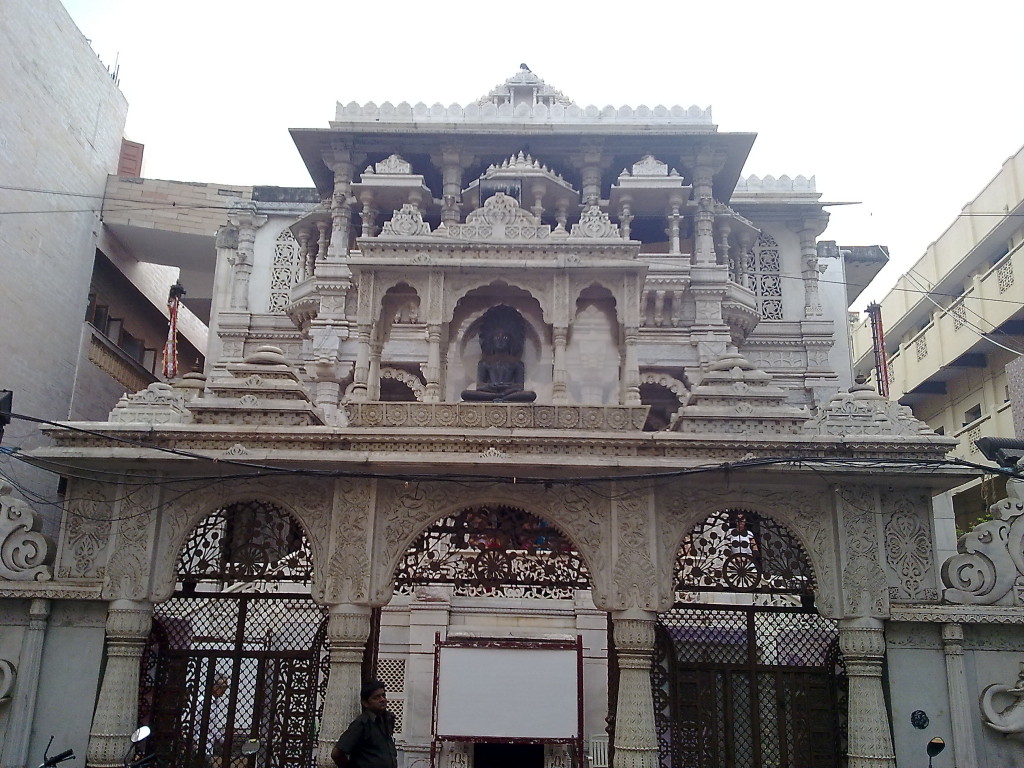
(500, 374)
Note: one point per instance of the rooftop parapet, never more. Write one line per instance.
(784, 186)
(370, 113)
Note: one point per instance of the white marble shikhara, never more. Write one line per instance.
(675, 318)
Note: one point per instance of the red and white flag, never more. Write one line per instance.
(171, 346)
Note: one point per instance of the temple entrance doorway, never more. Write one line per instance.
(504, 594)
(508, 755)
(239, 650)
(746, 673)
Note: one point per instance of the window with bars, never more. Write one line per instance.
(391, 672)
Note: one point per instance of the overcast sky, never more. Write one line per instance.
(908, 108)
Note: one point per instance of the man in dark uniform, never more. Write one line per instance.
(369, 742)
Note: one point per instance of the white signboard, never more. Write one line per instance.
(513, 693)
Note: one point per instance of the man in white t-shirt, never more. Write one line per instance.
(211, 752)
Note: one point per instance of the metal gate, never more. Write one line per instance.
(747, 687)
(746, 674)
(239, 651)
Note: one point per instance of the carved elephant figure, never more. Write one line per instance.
(1009, 720)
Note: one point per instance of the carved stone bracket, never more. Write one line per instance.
(25, 553)
(989, 566)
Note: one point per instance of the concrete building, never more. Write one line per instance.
(954, 329)
(83, 315)
(543, 414)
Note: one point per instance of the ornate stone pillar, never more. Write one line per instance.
(373, 384)
(432, 391)
(961, 713)
(306, 254)
(870, 741)
(659, 307)
(368, 214)
(631, 367)
(724, 230)
(117, 708)
(674, 219)
(625, 217)
(342, 161)
(451, 184)
(809, 272)
(636, 743)
(323, 241)
(347, 630)
(361, 375)
(245, 219)
(560, 374)
(23, 708)
(741, 260)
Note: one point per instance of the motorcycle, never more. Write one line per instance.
(140, 734)
(51, 762)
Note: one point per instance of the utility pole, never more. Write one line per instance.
(878, 341)
(6, 406)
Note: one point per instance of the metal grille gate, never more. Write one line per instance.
(748, 687)
(240, 650)
(746, 674)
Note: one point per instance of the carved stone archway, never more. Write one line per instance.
(239, 650)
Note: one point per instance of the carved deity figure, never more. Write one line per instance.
(501, 374)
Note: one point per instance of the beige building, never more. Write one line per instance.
(954, 322)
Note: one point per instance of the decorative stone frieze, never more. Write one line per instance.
(909, 554)
(406, 222)
(988, 568)
(598, 418)
(264, 389)
(26, 554)
(594, 223)
(159, 403)
(501, 219)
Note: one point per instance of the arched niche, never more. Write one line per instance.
(593, 358)
(307, 502)
(664, 393)
(493, 550)
(802, 509)
(405, 513)
(463, 352)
